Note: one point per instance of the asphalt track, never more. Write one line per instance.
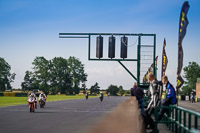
(70, 116)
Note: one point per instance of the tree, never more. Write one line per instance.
(94, 89)
(191, 73)
(57, 75)
(30, 81)
(113, 90)
(121, 91)
(41, 72)
(5, 76)
(76, 72)
(60, 78)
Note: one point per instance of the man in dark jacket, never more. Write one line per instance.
(139, 94)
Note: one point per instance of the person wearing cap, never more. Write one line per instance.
(139, 94)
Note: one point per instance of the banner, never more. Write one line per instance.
(182, 31)
(164, 60)
(145, 79)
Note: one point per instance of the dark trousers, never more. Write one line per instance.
(141, 105)
(164, 110)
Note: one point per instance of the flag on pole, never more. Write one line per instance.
(182, 31)
(145, 79)
(164, 60)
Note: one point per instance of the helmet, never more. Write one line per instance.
(32, 95)
(100, 92)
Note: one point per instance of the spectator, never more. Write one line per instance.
(170, 98)
(155, 93)
(139, 94)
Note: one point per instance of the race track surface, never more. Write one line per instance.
(71, 116)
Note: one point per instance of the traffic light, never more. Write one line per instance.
(124, 44)
(99, 47)
(111, 47)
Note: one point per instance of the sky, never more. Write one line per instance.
(30, 28)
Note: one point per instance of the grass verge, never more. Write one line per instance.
(8, 101)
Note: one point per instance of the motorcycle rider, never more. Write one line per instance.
(32, 94)
(101, 96)
(42, 96)
(155, 93)
(86, 95)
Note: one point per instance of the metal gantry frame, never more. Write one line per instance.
(88, 36)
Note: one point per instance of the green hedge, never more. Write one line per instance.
(1, 93)
(21, 94)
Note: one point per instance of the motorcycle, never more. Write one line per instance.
(101, 97)
(42, 102)
(86, 96)
(31, 104)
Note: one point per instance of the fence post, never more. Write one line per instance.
(173, 119)
(170, 118)
(195, 122)
(184, 120)
(156, 121)
(176, 120)
(180, 115)
(189, 121)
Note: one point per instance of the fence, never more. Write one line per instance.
(14, 94)
(178, 119)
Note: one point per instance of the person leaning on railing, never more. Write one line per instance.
(139, 94)
(155, 93)
(170, 98)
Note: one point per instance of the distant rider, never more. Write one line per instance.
(101, 96)
(43, 97)
(86, 95)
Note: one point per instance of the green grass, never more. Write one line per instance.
(8, 101)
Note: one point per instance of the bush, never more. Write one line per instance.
(11, 94)
(21, 94)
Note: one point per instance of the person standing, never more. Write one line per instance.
(139, 94)
(155, 93)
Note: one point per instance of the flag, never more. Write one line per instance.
(164, 60)
(182, 31)
(145, 78)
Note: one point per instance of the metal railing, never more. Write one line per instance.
(178, 119)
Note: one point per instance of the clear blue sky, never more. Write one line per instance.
(30, 28)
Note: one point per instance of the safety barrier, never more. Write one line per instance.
(14, 94)
(178, 119)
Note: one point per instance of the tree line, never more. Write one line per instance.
(58, 75)
(67, 76)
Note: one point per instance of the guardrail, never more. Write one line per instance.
(14, 94)
(178, 119)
